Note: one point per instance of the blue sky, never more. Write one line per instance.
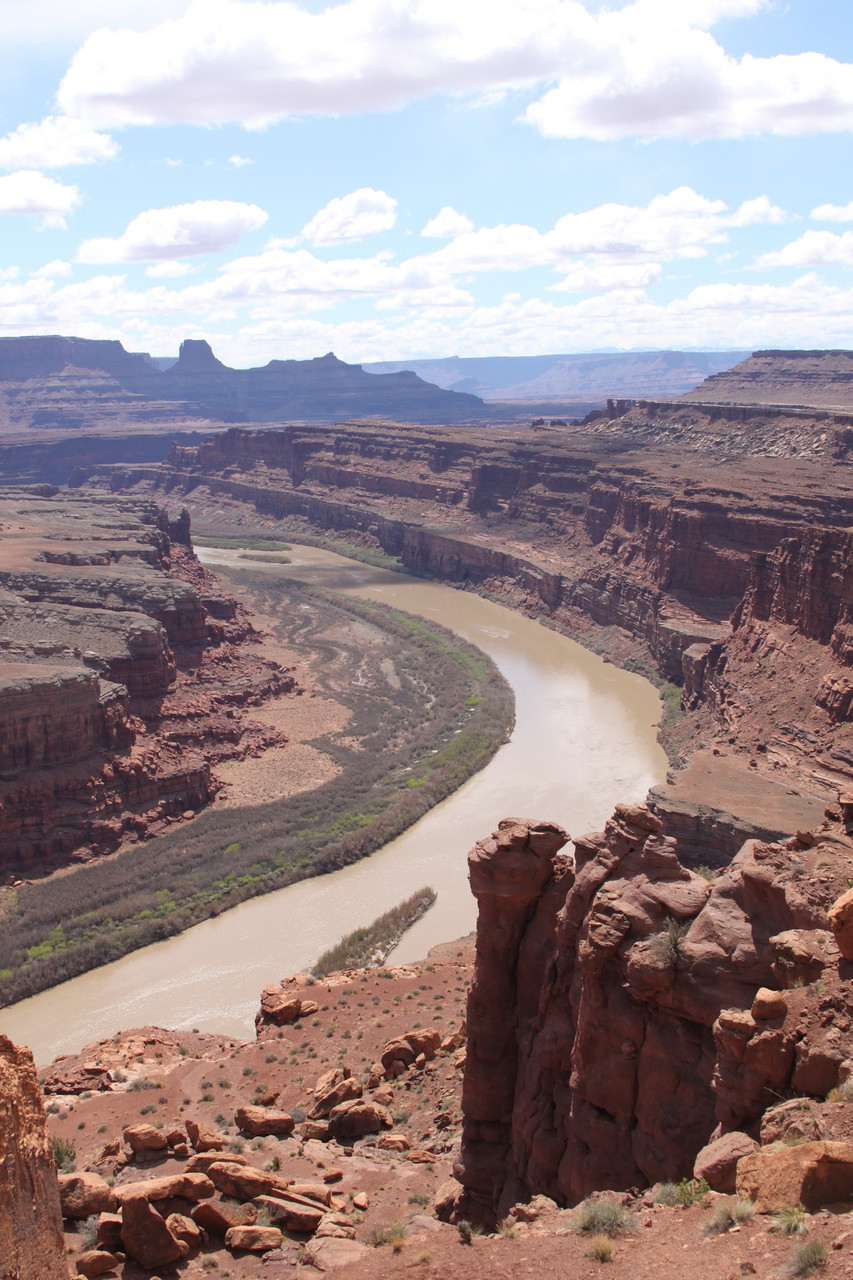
(409, 178)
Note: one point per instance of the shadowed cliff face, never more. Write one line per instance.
(609, 1025)
(31, 1242)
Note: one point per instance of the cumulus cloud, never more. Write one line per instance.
(599, 277)
(182, 230)
(813, 249)
(833, 213)
(356, 216)
(170, 269)
(650, 69)
(53, 143)
(447, 224)
(58, 267)
(30, 192)
(239, 162)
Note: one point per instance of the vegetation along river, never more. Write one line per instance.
(584, 739)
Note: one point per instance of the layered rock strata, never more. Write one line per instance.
(31, 1241)
(732, 579)
(125, 675)
(617, 1019)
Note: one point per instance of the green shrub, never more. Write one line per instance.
(604, 1218)
(808, 1256)
(65, 1154)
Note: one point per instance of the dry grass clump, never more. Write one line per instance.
(808, 1256)
(728, 1214)
(603, 1218)
(600, 1249)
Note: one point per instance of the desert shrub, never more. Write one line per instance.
(87, 1231)
(808, 1256)
(791, 1221)
(600, 1249)
(603, 1217)
(667, 944)
(65, 1154)
(728, 1214)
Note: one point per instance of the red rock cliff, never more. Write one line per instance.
(31, 1242)
(609, 1025)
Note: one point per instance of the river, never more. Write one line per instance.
(584, 739)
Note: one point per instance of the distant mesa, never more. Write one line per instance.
(324, 389)
(813, 379)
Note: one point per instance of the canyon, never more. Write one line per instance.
(666, 1002)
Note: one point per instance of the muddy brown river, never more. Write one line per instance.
(584, 738)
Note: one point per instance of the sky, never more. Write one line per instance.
(398, 179)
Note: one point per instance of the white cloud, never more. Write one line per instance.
(813, 249)
(649, 69)
(240, 162)
(9, 273)
(833, 213)
(447, 224)
(30, 192)
(53, 143)
(356, 216)
(58, 267)
(46, 23)
(170, 269)
(600, 277)
(204, 226)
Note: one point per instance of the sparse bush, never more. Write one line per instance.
(808, 1256)
(792, 1221)
(65, 1154)
(87, 1231)
(727, 1214)
(603, 1217)
(600, 1249)
(666, 945)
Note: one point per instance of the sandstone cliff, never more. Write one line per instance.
(729, 577)
(614, 1023)
(31, 1241)
(784, 377)
(119, 689)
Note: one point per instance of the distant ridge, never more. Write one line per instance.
(811, 379)
(322, 389)
(634, 374)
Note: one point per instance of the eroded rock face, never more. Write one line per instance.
(610, 1032)
(31, 1243)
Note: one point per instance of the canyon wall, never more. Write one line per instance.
(32, 1246)
(728, 575)
(125, 676)
(614, 1020)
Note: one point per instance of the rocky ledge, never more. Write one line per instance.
(125, 676)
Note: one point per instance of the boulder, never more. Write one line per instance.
(426, 1041)
(83, 1194)
(393, 1142)
(329, 1253)
(183, 1228)
(278, 1008)
(253, 1239)
(202, 1138)
(841, 923)
(395, 1051)
(335, 1226)
(218, 1216)
(243, 1182)
(769, 1004)
(311, 1191)
(95, 1262)
(333, 1088)
(108, 1236)
(814, 1174)
(201, 1163)
(144, 1137)
(357, 1117)
(261, 1123)
(293, 1215)
(145, 1236)
(717, 1162)
(316, 1129)
(182, 1186)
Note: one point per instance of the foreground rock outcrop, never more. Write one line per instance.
(31, 1242)
(625, 1010)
